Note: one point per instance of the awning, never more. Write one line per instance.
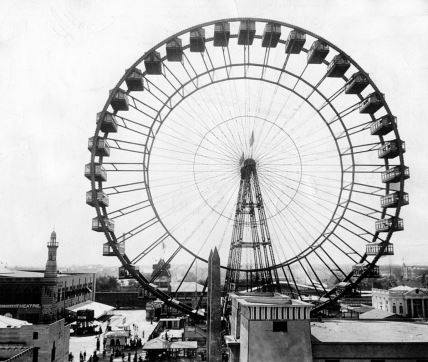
(99, 309)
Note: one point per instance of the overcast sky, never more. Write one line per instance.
(58, 60)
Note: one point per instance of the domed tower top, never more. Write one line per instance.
(52, 241)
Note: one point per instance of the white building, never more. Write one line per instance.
(403, 300)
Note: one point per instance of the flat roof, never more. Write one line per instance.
(28, 273)
(6, 322)
(349, 331)
(99, 308)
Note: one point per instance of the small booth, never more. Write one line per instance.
(116, 340)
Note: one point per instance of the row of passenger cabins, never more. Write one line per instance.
(294, 45)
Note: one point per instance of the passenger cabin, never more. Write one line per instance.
(108, 250)
(271, 35)
(385, 225)
(372, 103)
(383, 125)
(108, 123)
(102, 147)
(100, 196)
(394, 200)
(197, 40)
(97, 226)
(375, 248)
(221, 34)
(394, 174)
(134, 80)
(356, 83)
(119, 101)
(153, 63)
(359, 269)
(99, 171)
(317, 52)
(247, 31)
(295, 41)
(338, 66)
(174, 50)
(390, 149)
(125, 274)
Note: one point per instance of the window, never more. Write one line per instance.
(279, 326)
(332, 360)
(35, 335)
(394, 309)
(400, 308)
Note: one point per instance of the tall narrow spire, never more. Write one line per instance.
(49, 290)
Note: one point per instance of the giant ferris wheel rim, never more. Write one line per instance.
(101, 210)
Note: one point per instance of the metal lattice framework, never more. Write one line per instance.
(165, 157)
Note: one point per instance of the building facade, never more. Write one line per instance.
(42, 296)
(269, 328)
(43, 342)
(402, 300)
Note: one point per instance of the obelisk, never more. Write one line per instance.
(214, 308)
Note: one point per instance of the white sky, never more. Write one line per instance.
(58, 59)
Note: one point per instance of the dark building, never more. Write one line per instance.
(42, 296)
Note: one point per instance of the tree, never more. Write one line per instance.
(107, 283)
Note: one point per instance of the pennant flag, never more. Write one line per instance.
(241, 160)
(252, 139)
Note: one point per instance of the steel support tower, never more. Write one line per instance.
(250, 231)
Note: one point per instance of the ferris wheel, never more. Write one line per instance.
(181, 125)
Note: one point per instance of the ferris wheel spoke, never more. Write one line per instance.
(355, 130)
(124, 166)
(308, 194)
(358, 235)
(338, 268)
(369, 210)
(308, 277)
(118, 145)
(138, 104)
(138, 229)
(150, 248)
(365, 231)
(346, 253)
(126, 210)
(332, 97)
(123, 188)
(345, 112)
(126, 124)
(183, 278)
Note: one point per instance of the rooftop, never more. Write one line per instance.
(6, 322)
(357, 331)
(377, 314)
(15, 273)
(188, 287)
(268, 299)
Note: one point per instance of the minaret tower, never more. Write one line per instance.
(49, 291)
